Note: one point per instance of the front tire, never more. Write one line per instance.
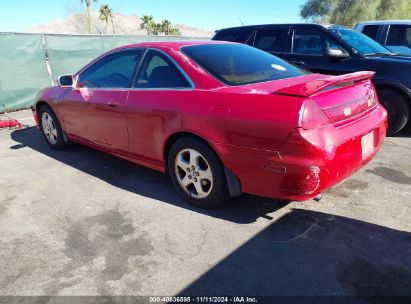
(51, 129)
(397, 109)
(197, 173)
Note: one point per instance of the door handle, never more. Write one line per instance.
(113, 105)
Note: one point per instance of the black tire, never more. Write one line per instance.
(59, 142)
(218, 193)
(397, 108)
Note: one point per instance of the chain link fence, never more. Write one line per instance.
(29, 62)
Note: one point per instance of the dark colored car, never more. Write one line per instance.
(330, 49)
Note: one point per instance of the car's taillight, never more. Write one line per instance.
(372, 99)
(313, 116)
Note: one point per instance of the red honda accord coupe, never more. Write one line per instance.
(221, 118)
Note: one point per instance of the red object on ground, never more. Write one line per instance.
(9, 123)
(290, 138)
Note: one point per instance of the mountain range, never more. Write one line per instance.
(123, 24)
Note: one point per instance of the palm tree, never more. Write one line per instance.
(106, 14)
(88, 4)
(157, 28)
(167, 27)
(175, 32)
(147, 23)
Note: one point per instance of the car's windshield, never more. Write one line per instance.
(238, 64)
(360, 42)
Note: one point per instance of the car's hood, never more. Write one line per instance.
(49, 93)
(400, 59)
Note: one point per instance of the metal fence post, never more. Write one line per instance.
(48, 66)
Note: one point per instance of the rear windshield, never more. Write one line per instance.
(238, 64)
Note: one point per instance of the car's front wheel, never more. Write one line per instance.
(51, 129)
(197, 173)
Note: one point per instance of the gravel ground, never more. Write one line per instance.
(80, 222)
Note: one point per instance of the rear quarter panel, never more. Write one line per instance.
(248, 120)
(248, 132)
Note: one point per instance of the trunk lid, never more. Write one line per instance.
(326, 83)
(339, 97)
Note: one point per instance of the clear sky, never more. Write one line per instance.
(20, 15)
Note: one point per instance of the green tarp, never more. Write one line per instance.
(23, 60)
(69, 53)
(22, 70)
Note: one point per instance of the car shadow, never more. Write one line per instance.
(316, 254)
(141, 180)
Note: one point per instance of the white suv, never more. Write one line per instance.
(393, 34)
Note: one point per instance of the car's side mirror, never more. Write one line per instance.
(65, 81)
(336, 53)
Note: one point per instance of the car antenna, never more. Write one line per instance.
(242, 23)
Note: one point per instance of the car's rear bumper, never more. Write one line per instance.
(311, 161)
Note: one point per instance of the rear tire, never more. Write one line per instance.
(397, 108)
(51, 129)
(197, 173)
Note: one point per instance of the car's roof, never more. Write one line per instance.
(384, 22)
(282, 24)
(175, 44)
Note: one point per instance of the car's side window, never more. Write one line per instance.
(399, 35)
(273, 40)
(234, 35)
(113, 71)
(371, 31)
(313, 42)
(157, 71)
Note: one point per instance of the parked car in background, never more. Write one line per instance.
(335, 50)
(395, 35)
(221, 118)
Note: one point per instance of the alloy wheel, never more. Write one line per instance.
(49, 128)
(193, 173)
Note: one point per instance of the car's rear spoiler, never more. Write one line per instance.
(327, 83)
